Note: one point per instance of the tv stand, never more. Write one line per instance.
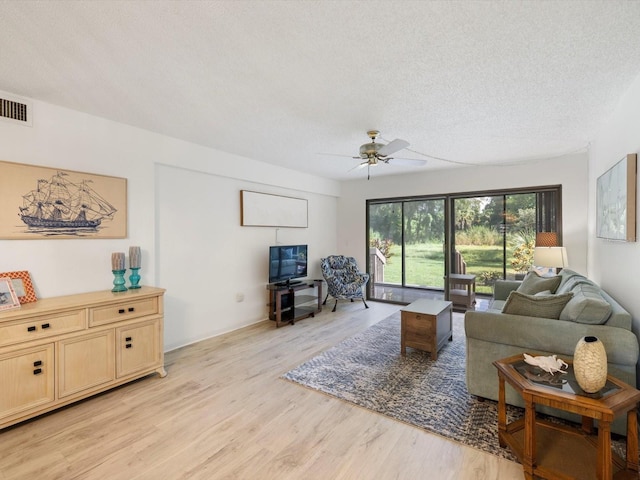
(287, 283)
(287, 307)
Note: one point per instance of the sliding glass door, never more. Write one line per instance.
(415, 243)
(406, 240)
(494, 237)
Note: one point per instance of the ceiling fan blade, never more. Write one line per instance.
(407, 162)
(337, 155)
(359, 166)
(393, 147)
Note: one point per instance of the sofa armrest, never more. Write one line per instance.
(502, 288)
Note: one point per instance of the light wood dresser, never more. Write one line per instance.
(62, 349)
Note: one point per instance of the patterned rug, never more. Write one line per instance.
(369, 371)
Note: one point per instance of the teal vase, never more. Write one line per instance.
(118, 281)
(134, 278)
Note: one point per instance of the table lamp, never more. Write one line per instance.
(551, 257)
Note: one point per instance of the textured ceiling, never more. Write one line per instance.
(292, 82)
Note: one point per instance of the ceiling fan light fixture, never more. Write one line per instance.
(369, 150)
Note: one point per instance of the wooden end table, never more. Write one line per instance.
(553, 451)
(426, 324)
(462, 296)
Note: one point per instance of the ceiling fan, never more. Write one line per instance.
(374, 153)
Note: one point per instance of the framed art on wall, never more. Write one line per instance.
(55, 203)
(616, 201)
(22, 285)
(268, 210)
(8, 297)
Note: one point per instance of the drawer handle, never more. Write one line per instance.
(45, 325)
(37, 371)
(37, 363)
(121, 310)
(128, 339)
(128, 345)
(31, 329)
(132, 309)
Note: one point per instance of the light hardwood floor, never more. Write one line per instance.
(223, 413)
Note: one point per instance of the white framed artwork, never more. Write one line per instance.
(616, 201)
(268, 210)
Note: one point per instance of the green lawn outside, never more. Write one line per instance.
(425, 265)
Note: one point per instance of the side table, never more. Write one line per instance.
(462, 296)
(556, 451)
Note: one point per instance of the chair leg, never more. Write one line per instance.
(325, 299)
(335, 306)
(365, 303)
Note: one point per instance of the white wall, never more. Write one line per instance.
(615, 265)
(210, 262)
(569, 171)
(183, 212)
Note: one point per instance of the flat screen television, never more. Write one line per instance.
(287, 262)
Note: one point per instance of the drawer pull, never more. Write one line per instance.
(31, 329)
(45, 325)
(121, 310)
(128, 339)
(37, 363)
(37, 371)
(132, 309)
(128, 345)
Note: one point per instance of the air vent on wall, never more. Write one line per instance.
(15, 110)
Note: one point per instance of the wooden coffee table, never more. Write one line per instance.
(426, 324)
(553, 451)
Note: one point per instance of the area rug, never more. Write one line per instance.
(369, 371)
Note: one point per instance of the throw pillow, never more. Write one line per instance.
(545, 306)
(570, 283)
(533, 284)
(586, 306)
(546, 293)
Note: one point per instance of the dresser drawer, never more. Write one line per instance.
(42, 327)
(123, 311)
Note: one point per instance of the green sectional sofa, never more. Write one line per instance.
(546, 316)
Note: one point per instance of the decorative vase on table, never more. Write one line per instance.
(590, 364)
(118, 281)
(134, 264)
(117, 267)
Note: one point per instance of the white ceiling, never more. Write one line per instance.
(290, 82)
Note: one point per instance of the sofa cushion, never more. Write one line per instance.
(586, 306)
(570, 280)
(533, 284)
(545, 306)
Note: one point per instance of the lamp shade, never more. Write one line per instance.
(553, 257)
(546, 239)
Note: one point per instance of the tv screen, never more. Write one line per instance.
(287, 262)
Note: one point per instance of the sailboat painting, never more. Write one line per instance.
(43, 202)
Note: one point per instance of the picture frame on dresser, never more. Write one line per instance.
(22, 285)
(8, 298)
